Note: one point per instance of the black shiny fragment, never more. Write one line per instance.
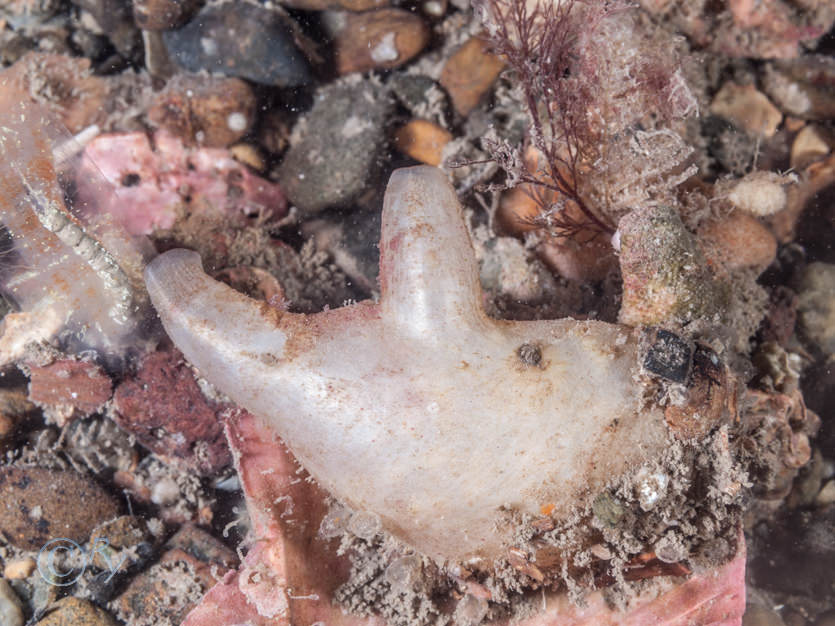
(669, 356)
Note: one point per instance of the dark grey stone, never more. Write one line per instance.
(336, 155)
(115, 19)
(411, 90)
(240, 39)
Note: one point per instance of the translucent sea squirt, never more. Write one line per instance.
(420, 409)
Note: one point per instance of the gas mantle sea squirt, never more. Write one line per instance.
(420, 411)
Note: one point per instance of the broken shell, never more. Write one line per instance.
(381, 402)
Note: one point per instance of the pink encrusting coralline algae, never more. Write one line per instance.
(158, 178)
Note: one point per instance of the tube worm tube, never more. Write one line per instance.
(60, 268)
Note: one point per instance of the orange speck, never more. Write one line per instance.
(547, 509)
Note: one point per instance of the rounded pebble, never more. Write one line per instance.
(816, 306)
(338, 147)
(220, 110)
(384, 38)
(469, 73)
(827, 619)
(72, 611)
(162, 14)
(11, 611)
(423, 141)
(810, 144)
(803, 86)
(21, 568)
(37, 505)
(826, 495)
(248, 155)
(758, 615)
(747, 108)
(738, 240)
(240, 39)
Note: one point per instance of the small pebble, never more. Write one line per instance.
(380, 39)
(37, 505)
(518, 207)
(249, 155)
(579, 261)
(78, 384)
(15, 403)
(203, 546)
(758, 615)
(323, 5)
(736, 241)
(421, 95)
(435, 8)
(816, 306)
(803, 86)
(423, 141)
(469, 73)
(664, 270)
(827, 619)
(747, 108)
(807, 483)
(114, 18)
(11, 611)
(73, 611)
(240, 39)
(216, 109)
(163, 14)
(826, 495)
(125, 541)
(810, 144)
(338, 147)
(517, 212)
(21, 568)
(167, 591)
(7, 426)
(98, 444)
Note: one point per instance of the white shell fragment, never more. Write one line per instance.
(420, 411)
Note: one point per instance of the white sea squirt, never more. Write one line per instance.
(420, 409)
